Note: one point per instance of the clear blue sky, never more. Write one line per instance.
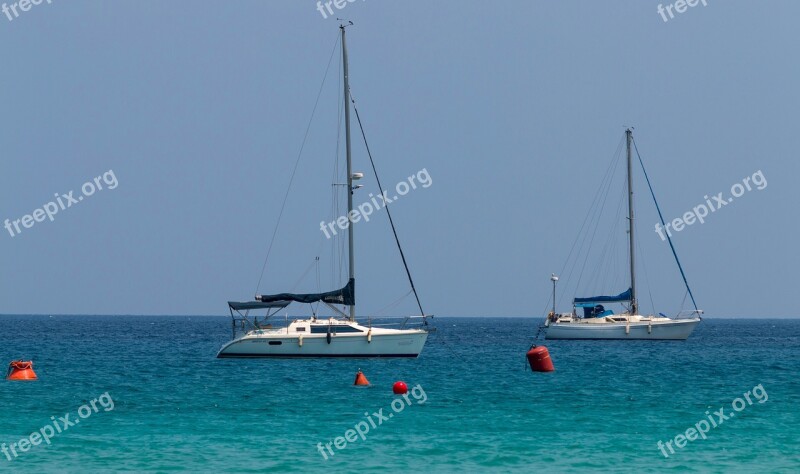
(513, 107)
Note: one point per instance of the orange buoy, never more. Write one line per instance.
(361, 379)
(400, 388)
(21, 370)
(539, 359)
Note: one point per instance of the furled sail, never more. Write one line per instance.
(345, 296)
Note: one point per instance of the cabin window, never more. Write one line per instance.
(335, 328)
(301, 329)
(275, 343)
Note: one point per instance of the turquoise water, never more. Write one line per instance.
(177, 408)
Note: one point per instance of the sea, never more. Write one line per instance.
(147, 394)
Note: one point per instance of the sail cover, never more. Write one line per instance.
(345, 296)
(589, 302)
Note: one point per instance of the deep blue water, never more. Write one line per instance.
(606, 406)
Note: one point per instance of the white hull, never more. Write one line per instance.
(397, 343)
(677, 330)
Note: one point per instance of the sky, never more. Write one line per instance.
(191, 114)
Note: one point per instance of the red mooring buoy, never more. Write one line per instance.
(400, 388)
(21, 370)
(539, 359)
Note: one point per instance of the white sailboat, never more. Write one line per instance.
(338, 336)
(598, 323)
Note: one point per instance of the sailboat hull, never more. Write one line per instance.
(674, 330)
(405, 343)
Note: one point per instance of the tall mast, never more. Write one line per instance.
(629, 134)
(349, 162)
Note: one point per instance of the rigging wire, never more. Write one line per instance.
(606, 272)
(620, 273)
(596, 227)
(612, 165)
(294, 170)
(337, 243)
(661, 216)
(392, 304)
(303, 276)
(319, 289)
(643, 262)
(386, 205)
(646, 276)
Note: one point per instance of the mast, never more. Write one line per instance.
(629, 134)
(349, 163)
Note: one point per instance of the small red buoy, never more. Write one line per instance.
(539, 359)
(361, 379)
(400, 388)
(21, 370)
